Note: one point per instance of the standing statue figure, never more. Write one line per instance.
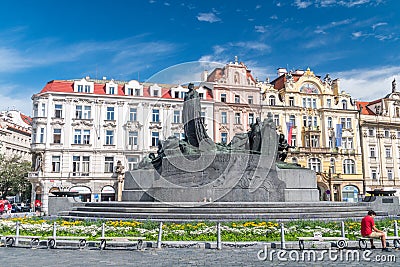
(195, 131)
(255, 135)
(283, 148)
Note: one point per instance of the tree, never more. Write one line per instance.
(13, 171)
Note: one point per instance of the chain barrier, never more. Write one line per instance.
(163, 245)
(239, 245)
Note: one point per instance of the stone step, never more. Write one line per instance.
(214, 217)
(218, 210)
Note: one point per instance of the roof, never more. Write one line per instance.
(67, 86)
(365, 110)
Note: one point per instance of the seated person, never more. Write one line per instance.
(368, 229)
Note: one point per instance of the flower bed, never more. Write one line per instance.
(194, 231)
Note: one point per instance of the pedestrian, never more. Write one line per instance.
(368, 229)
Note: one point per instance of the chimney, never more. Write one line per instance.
(281, 71)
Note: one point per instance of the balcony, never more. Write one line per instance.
(319, 150)
(311, 129)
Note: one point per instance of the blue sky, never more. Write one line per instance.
(354, 40)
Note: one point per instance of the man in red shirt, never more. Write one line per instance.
(368, 229)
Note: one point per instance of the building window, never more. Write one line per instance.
(272, 100)
(132, 163)
(78, 112)
(177, 116)
(237, 118)
(371, 132)
(57, 136)
(292, 120)
(58, 111)
(237, 99)
(111, 90)
(224, 138)
(55, 163)
(87, 88)
(372, 152)
(35, 110)
(80, 88)
(390, 174)
(309, 102)
(109, 137)
(276, 120)
(87, 112)
(109, 164)
(110, 113)
(314, 103)
(347, 142)
(137, 92)
(43, 110)
(344, 104)
(291, 101)
(331, 142)
(250, 99)
(294, 143)
(386, 133)
(348, 123)
(332, 165)
(86, 137)
(76, 165)
(85, 165)
(314, 140)
(41, 136)
(388, 151)
(223, 98)
(304, 103)
(224, 119)
(251, 118)
(348, 166)
(132, 114)
(154, 138)
(329, 103)
(330, 122)
(294, 160)
(131, 91)
(374, 175)
(155, 92)
(156, 115)
(314, 164)
(133, 138)
(78, 136)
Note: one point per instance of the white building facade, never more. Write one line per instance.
(83, 128)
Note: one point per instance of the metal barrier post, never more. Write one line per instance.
(54, 230)
(103, 230)
(342, 229)
(395, 229)
(159, 235)
(282, 237)
(16, 233)
(219, 244)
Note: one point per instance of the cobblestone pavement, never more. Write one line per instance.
(12, 256)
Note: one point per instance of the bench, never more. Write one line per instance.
(341, 242)
(9, 240)
(122, 239)
(362, 241)
(52, 240)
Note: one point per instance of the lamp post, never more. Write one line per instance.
(362, 149)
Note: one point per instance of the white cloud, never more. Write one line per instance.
(302, 4)
(258, 6)
(333, 24)
(251, 45)
(378, 25)
(274, 17)
(357, 34)
(368, 84)
(208, 17)
(23, 104)
(260, 28)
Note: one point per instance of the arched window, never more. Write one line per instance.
(349, 166)
(330, 122)
(314, 164)
(344, 104)
(272, 100)
(350, 193)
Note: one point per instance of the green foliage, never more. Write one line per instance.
(12, 176)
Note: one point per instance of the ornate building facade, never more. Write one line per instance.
(237, 100)
(15, 134)
(321, 122)
(84, 129)
(380, 124)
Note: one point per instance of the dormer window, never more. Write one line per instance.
(344, 104)
(83, 86)
(178, 92)
(111, 88)
(133, 88)
(155, 90)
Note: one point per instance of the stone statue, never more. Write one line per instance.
(255, 135)
(195, 131)
(283, 148)
(394, 85)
